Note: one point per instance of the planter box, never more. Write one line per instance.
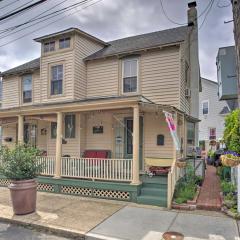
(190, 205)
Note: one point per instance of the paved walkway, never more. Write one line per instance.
(209, 198)
(95, 219)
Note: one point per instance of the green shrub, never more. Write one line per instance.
(227, 187)
(232, 131)
(20, 163)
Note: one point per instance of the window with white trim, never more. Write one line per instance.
(27, 89)
(64, 43)
(70, 125)
(49, 46)
(212, 133)
(130, 75)
(205, 107)
(57, 79)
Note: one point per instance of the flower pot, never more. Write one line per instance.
(228, 161)
(181, 164)
(23, 196)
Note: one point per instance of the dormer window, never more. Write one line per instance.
(49, 46)
(130, 75)
(64, 43)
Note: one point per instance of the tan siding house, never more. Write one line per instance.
(97, 109)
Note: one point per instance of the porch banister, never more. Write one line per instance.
(135, 179)
(20, 129)
(59, 145)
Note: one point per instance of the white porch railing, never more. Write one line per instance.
(97, 168)
(48, 164)
(90, 168)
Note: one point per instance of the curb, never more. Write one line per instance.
(63, 232)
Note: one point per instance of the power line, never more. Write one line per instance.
(22, 10)
(14, 40)
(9, 4)
(209, 9)
(65, 10)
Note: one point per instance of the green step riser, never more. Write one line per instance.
(160, 203)
(149, 192)
(154, 185)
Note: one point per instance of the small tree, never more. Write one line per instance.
(232, 131)
(19, 163)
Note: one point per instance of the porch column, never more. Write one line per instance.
(135, 164)
(20, 129)
(59, 145)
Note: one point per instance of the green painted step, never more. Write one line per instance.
(152, 200)
(157, 192)
(155, 179)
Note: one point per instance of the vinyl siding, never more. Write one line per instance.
(11, 92)
(154, 125)
(102, 78)
(67, 59)
(9, 131)
(213, 119)
(83, 48)
(160, 76)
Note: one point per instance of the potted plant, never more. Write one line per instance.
(230, 159)
(20, 165)
(181, 163)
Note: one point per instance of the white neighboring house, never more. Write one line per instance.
(212, 113)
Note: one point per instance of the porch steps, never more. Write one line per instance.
(153, 191)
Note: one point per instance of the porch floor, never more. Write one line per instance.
(209, 198)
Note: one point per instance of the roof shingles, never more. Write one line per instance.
(121, 46)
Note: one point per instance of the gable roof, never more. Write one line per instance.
(225, 110)
(24, 68)
(119, 46)
(143, 41)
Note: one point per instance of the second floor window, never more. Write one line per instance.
(64, 43)
(57, 80)
(130, 75)
(49, 47)
(27, 89)
(205, 107)
(212, 133)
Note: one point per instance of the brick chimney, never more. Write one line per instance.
(192, 14)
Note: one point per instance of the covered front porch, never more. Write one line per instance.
(106, 144)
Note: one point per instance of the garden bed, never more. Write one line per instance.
(189, 205)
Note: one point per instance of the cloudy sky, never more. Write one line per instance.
(112, 19)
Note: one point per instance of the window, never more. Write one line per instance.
(212, 133)
(53, 130)
(205, 107)
(70, 125)
(130, 78)
(160, 140)
(64, 43)
(49, 47)
(27, 89)
(56, 80)
(190, 133)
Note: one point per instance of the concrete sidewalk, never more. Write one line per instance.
(94, 219)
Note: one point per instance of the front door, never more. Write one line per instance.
(128, 148)
(30, 134)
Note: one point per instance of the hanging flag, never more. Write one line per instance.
(172, 129)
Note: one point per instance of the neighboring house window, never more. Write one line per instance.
(70, 126)
(64, 43)
(49, 47)
(205, 107)
(53, 130)
(130, 75)
(27, 89)
(212, 133)
(57, 80)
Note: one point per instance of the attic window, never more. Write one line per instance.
(64, 43)
(49, 47)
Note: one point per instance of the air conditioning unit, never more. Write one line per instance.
(188, 92)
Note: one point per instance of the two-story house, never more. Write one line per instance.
(96, 110)
(212, 114)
